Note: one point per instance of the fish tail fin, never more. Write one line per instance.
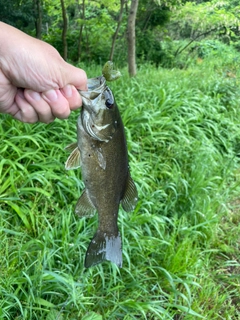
(104, 247)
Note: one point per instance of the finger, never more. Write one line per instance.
(76, 77)
(7, 95)
(58, 103)
(24, 111)
(73, 96)
(40, 106)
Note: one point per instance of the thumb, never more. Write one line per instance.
(75, 76)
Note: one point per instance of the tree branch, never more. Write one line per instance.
(198, 36)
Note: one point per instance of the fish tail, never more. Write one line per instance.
(104, 247)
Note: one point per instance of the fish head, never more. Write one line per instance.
(100, 113)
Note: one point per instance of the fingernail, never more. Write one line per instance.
(34, 95)
(51, 95)
(67, 90)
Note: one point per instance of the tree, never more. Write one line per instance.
(81, 30)
(38, 18)
(20, 14)
(64, 30)
(122, 2)
(150, 26)
(132, 69)
(193, 21)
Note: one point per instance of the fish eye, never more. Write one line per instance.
(109, 104)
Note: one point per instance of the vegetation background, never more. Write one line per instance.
(182, 121)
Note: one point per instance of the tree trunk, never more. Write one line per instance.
(117, 29)
(81, 31)
(64, 30)
(132, 70)
(88, 50)
(38, 18)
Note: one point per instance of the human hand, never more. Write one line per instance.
(36, 84)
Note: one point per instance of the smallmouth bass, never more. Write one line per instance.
(101, 151)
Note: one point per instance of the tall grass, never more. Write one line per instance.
(180, 245)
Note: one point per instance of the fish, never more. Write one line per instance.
(101, 152)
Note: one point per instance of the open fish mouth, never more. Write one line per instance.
(95, 87)
(91, 103)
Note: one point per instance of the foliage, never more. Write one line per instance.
(18, 13)
(159, 25)
(99, 23)
(214, 51)
(180, 245)
(194, 19)
(150, 22)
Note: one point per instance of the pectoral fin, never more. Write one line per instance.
(130, 197)
(73, 161)
(71, 146)
(84, 206)
(101, 159)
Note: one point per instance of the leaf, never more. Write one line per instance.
(44, 303)
(92, 316)
(20, 213)
(54, 315)
(187, 310)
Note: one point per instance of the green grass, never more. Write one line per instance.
(180, 245)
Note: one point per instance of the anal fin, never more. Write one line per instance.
(104, 247)
(84, 206)
(130, 197)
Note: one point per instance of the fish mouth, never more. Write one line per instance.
(95, 87)
(92, 104)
